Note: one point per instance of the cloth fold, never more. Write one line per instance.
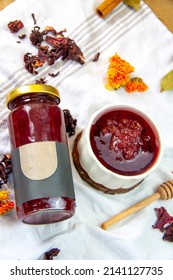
(142, 40)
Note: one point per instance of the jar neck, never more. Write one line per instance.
(33, 97)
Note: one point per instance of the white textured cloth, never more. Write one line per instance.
(142, 40)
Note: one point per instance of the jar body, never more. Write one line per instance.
(42, 175)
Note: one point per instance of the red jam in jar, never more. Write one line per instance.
(124, 142)
(43, 183)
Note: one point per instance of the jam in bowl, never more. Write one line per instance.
(120, 146)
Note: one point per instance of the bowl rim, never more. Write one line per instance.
(143, 114)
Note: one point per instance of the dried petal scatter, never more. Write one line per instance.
(136, 84)
(56, 46)
(118, 73)
(15, 26)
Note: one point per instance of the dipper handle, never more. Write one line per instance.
(131, 210)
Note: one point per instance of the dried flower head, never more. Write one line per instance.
(6, 207)
(118, 73)
(5, 204)
(5, 168)
(136, 84)
(36, 36)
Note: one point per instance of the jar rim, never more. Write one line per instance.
(32, 88)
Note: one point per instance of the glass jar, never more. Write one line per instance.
(43, 184)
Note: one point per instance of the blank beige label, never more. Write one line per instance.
(38, 160)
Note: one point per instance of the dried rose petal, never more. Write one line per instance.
(15, 26)
(163, 218)
(51, 254)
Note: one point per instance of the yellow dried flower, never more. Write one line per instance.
(4, 195)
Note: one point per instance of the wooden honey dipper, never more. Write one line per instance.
(164, 192)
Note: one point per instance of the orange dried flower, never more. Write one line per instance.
(118, 72)
(136, 84)
(5, 204)
(6, 207)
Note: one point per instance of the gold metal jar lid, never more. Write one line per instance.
(34, 88)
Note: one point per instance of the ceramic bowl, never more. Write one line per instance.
(120, 146)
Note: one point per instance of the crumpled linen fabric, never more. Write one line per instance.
(142, 40)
